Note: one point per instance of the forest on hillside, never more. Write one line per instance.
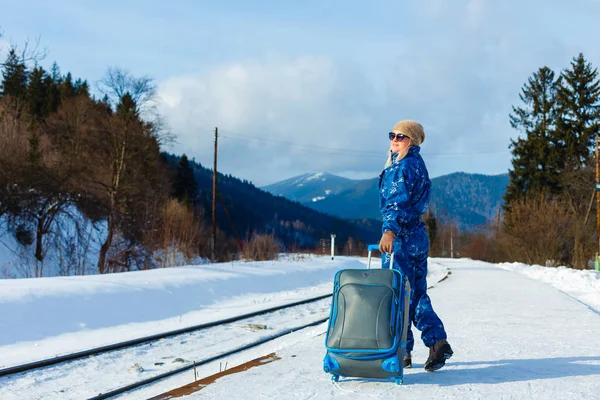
(86, 186)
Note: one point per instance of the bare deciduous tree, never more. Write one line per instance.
(174, 240)
(537, 231)
(262, 247)
(131, 154)
(31, 53)
(118, 82)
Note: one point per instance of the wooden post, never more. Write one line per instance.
(597, 202)
(213, 243)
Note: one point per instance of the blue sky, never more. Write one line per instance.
(307, 86)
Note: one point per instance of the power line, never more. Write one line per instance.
(478, 153)
(343, 151)
(302, 146)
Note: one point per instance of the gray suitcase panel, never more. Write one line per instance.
(363, 318)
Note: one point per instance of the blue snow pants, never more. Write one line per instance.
(422, 315)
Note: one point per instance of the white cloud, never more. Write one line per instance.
(460, 90)
(307, 101)
(456, 68)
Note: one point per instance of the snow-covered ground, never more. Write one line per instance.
(513, 336)
(583, 285)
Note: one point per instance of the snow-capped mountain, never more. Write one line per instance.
(310, 188)
(469, 200)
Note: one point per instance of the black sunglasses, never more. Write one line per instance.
(398, 136)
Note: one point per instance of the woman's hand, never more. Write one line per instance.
(385, 244)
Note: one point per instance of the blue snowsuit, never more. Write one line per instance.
(404, 192)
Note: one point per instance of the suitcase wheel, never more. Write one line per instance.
(335, 378)
(398, 381)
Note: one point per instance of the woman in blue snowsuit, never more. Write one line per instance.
(404, 191)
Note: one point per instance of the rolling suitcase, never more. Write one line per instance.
(368, 323)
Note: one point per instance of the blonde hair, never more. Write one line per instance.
(400, 156)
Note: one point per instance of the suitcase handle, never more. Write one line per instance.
(372, 247)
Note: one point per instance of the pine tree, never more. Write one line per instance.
(55, 73)
(127, 108)
(184, 183)
(536, 165)
(52, 95)
(53, 82)
(81, 87)
(67, 89)
(37, 94)
(14, 76)
(578, 96)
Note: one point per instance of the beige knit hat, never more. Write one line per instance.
(412, 129)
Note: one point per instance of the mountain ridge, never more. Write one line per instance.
(468, 200)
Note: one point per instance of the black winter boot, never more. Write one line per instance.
(438, 354)
(407, 361)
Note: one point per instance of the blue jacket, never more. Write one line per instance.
(404, 193)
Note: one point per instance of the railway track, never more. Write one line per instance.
(199, 363)
(44, 370)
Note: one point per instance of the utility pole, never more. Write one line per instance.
(597, 188)
(214, 202)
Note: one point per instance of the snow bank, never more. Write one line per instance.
(583, 285)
